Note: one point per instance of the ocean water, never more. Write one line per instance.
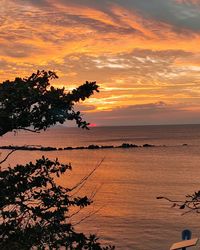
(125, 212)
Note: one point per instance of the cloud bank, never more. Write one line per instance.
(140, 52)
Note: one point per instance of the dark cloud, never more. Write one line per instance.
(18, 50)
(181, 15)
(4, 64)
(97, 25)
(84, 107)
(152, 113)
(39, 3)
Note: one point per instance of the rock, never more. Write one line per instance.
(107, 146)
(148, 145)
(80, 148)
(127, 145)
(68, 148)
(93, 147)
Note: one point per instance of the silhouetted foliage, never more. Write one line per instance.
(190, 204)
(36, 211)
(33, 102)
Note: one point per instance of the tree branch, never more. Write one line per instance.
(30, 130)
(7, 156)
(81, 183)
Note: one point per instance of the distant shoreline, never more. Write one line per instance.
(132, 125)
(97, 127)
(89, 147)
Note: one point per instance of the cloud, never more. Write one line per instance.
(182, 15)
(129, 78)
(189, 2)
(18, 50)
(139, 52)
(152, 113)
(93, 24)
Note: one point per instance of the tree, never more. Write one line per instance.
(35, 210)
(31, 101)
(190, 204)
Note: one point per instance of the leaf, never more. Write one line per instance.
(182, 206)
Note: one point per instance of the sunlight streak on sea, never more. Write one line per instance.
(125, 210)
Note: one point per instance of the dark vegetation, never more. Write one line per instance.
(190, 204)
(35, 210)
(33, 102)
(92, 146)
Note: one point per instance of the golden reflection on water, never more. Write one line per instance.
(125, 210)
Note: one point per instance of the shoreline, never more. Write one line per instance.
(89, 147)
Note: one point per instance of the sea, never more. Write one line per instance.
(124, 187)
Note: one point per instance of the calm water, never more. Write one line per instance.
(128, 180)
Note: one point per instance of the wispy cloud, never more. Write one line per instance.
(140, 52)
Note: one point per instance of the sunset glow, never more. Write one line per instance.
(144, 55)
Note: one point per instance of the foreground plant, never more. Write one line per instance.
(33, 102)
(190, 204)
(35, 212)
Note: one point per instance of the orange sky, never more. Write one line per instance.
(145, 55)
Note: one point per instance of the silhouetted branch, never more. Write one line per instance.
(7, 156)
(80, 184)
(191, 203)
(39, 105)
(30, 130)
(34, 208)
(87, 216)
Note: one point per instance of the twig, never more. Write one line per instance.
(7, 156)
(75, 213)
(30, 130)
(87, 216)
(93, 194)
(165, 198)
(85, 178)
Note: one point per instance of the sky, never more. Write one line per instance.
(144, 54)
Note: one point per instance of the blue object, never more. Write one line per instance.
(186, 234)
